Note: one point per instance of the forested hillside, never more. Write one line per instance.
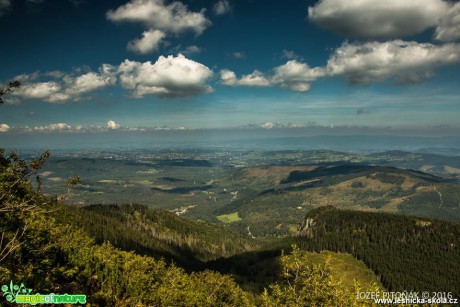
(155, 232)
(405, 252)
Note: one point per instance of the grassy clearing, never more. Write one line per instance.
(346, 268)
(229, 218)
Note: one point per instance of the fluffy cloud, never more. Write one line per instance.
(222, 7)
(360, 63)
(4, 128)
(168, 77)
(149, 42)
(112, 125)
(256, 78)
(272, 125)
(296, 76)
(92, 81)
(39, 90)
(406, 62)
(268, 125)
(59, 126)
(378, 19)
(160, 20)
(449, 26)
(56, 128)
(293, 75)
(64, 87)
(228, 77)
(173, 18)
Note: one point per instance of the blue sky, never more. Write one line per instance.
(150, 64)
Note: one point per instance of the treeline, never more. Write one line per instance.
(407, 253)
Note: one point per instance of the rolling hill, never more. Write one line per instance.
(271, 200)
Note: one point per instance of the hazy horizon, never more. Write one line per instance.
(234, 139)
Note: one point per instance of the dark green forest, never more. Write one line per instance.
(155, 232)
(405, 252)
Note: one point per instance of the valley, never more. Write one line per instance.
(261, 194)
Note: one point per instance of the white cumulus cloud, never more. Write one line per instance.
(449, 26)
(228, 77)
(296, 75)
(149, 42)
(38, 90)
(155, 14)
(4, 128)
(64, 87)
(160, 20)
(256, 78)
(112, 125)
(378, 19)
(406, 62)
(92, 81)
(401, 62)
(168, 77)
(58, 127)
(268, 125)
(292, 75)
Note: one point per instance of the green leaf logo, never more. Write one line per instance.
(12, 290)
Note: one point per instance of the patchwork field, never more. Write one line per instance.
(229, 218)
